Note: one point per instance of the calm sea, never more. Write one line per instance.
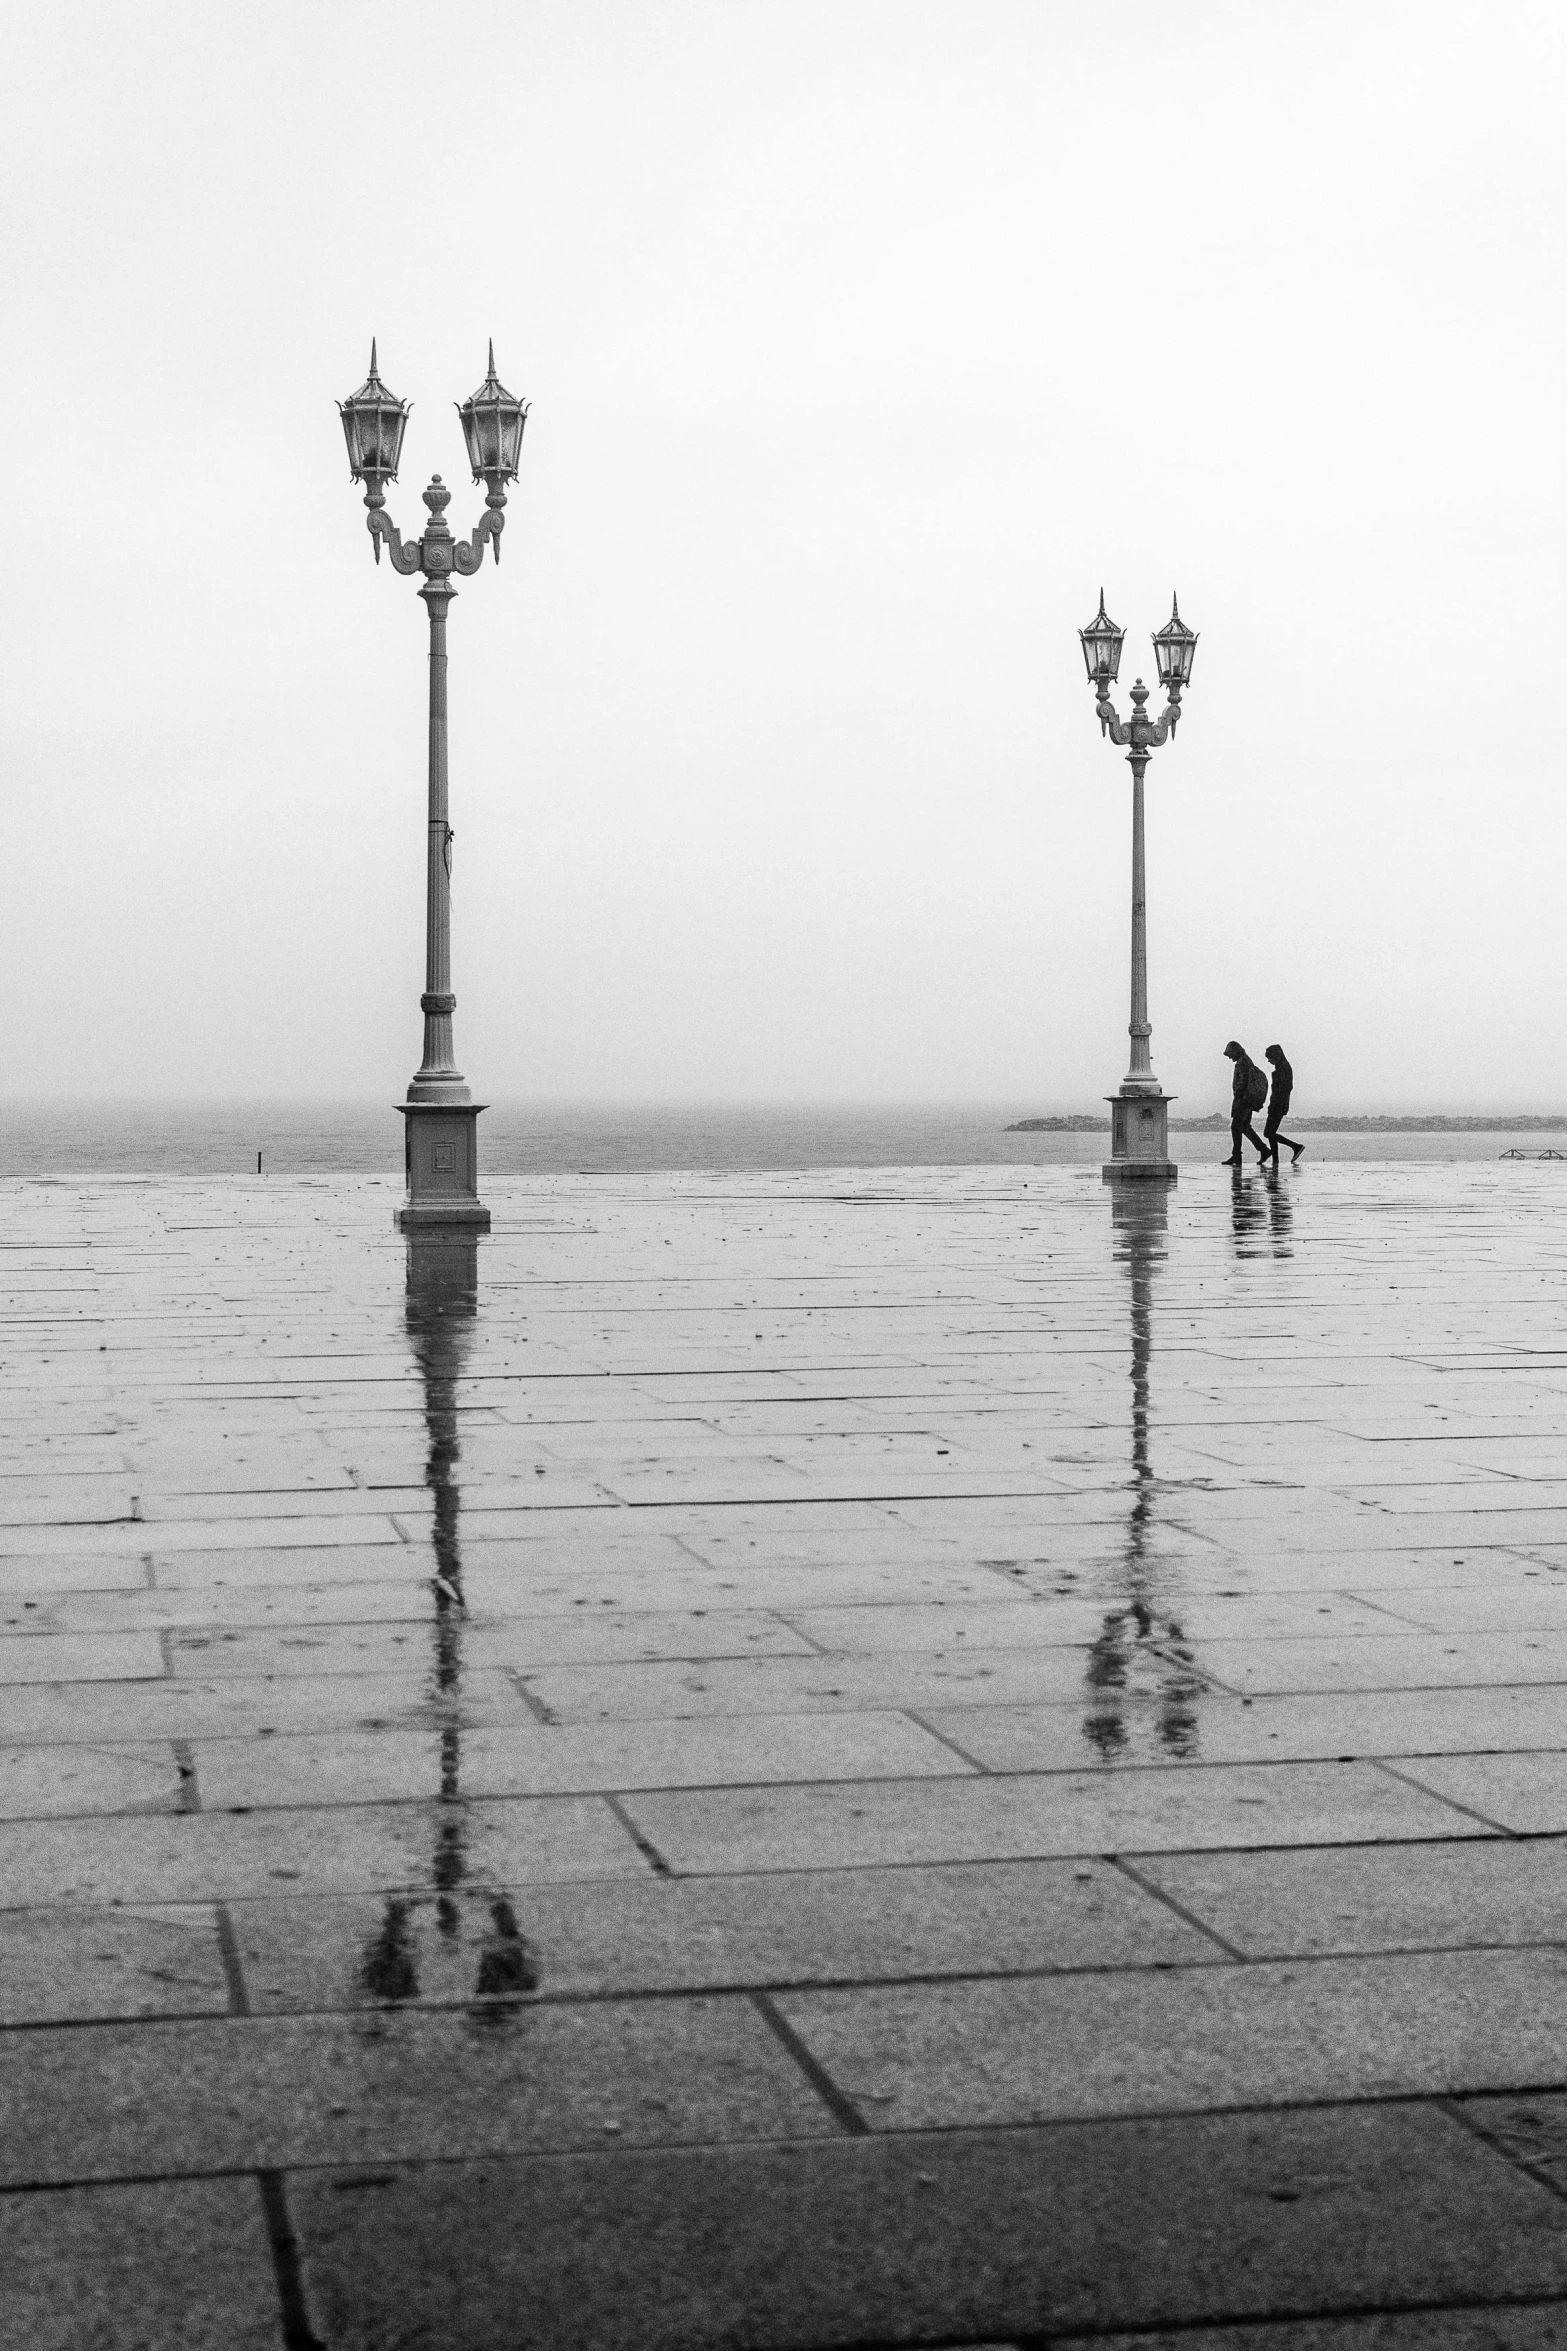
(209, 1138)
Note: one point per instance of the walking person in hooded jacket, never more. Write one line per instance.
(1279, 1102)
(1248, 1094)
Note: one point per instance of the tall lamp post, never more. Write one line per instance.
(441, 1141)
(1140, 1112)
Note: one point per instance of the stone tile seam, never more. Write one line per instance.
(1389, 1766)
(1187, 1917)
(637, 1789)
(893, 2135)
(983, 1770)
(1456, 2104)
(1158, 1853)
(1228, 1968)
(836, 2100)
(283, 2244)
(656, 1860)
(544, 1715)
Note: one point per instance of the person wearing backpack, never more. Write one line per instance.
(1279, 1102)
(1248, 1094)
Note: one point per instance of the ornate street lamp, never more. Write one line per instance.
(441, 1130)
(1140, 1112)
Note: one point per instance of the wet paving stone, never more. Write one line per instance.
(1372, 1898)
(215, 1856)
(1008, 1819)
(911, 1716)
(394, 2084)
(60, 1965)
(175, 2265)
(37, 1782)
(670, 1934)
(962, 2235)
(912, 2057)
(533, 1759)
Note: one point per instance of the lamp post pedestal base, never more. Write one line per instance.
(442, 1156)
(1140, 1137)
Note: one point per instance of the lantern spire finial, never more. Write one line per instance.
(372, 355)
(492, 355)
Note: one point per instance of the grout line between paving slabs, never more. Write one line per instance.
(838, 2104)
(1456, 2107)
(1383, 1764)
(1118, 1861)
(984, 1769)
(652, 1995)
(893, 2135)
(298, 2333)
(189, 1799)
(535, 1706)
(643, 1843)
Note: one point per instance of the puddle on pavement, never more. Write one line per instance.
(1262, 1213)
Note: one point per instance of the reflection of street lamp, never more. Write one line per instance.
(1140, 1668)
(477, 1937)
(442, 1117)
(1140, 1112)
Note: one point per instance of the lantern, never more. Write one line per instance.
(1175, 647)
(492, 422)
(1101, 643)
(374, 421)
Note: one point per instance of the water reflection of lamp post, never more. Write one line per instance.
(1140, 1112)
(441, 1310)
(1140, 1663)
(441, 1141)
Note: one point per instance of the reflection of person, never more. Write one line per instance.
(1248, 1093)
(1279, 1102)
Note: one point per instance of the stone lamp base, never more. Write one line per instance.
(1140, 1137)
(442, 1155)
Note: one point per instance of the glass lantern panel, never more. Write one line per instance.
(482, 436)
(394, 423)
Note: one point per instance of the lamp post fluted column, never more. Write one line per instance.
(438, 1078)
(440, 1115)
(1140, 1109)
(1140, 1074)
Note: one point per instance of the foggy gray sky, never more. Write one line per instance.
(864, 341)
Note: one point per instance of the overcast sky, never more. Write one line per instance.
(864, 341)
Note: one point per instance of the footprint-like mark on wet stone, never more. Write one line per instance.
(388, 1971)
(507, 1966)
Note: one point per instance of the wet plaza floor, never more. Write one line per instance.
(918, 1758)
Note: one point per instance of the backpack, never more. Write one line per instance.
(1256, 1087)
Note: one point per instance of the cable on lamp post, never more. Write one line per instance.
(440, 1114)
(1140, 1111)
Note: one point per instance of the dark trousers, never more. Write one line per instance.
(1240, 1125)
(1271, 1131)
